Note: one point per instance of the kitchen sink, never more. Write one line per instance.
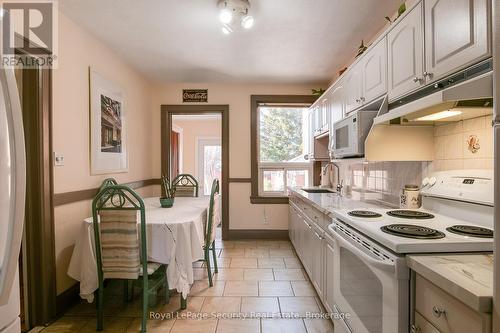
(318, 190)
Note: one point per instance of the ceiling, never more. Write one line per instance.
(293, 41)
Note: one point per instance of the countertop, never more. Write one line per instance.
(467, 277)
(328, 202)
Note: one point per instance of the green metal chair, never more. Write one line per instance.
(107, 182)
(121, 247)
(210, 229)
(185, 185)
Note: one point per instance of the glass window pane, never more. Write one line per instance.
(211, 166)
(297, 178)
(273, 181)
(282, 134)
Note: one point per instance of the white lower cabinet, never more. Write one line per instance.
(317, 276)
(314, 247)
(328, 274)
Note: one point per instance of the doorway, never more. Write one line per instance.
(209, 162)
(206, 156)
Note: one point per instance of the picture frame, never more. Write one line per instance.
(108, 131)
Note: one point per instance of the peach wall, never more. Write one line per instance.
(242, 214)
(191, 131)
(77, 51)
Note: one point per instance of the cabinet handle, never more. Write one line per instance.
(362, 99)
(417, 79)
(438, 312)
(358, 100)
(415, 329)
(429, 74)
(319, 236)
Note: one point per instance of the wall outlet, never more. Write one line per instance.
(58, 159)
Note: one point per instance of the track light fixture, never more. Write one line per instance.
(233, 13)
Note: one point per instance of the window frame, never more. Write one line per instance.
(257, 168)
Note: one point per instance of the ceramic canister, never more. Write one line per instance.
(410, 197)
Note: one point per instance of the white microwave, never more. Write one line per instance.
(349, 134)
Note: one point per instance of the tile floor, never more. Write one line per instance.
(261, 287)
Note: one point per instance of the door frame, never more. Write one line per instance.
(38, 249)
(167, 111)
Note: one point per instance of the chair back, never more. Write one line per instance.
(185, 185)
(214, 214)
(120, 246)
(107, 182)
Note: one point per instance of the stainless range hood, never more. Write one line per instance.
(452, 101)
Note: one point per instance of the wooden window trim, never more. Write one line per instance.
(257, 100)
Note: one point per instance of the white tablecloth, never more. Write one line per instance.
(175, 237)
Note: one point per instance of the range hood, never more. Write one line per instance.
(459, 97)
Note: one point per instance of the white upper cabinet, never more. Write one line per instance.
(456, 35)
(325, 113)
(353, 84)
(405, 53)
(337, 103)
(374, 72)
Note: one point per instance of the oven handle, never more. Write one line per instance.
(376, 263)
(344, 323)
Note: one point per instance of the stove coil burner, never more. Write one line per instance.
(470, 230)
(412, 231)
(364, 213)
(410, 214)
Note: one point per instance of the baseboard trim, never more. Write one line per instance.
(67, 298)
(257, 234)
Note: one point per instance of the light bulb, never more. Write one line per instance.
(225, 16)
(226, 29)
(247, 21)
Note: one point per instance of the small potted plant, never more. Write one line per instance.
(167, 200)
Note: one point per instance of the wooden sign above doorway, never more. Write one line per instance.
(195, 95)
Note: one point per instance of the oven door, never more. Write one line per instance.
(369, 289)
(345, 137)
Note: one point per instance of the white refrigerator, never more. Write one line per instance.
(12, 196)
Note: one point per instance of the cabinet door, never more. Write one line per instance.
(329, 276)
(456, 35)
(317, 119)
(374, 72)
(422, 325)
(325, 110)
(317, 260)
(307, 245)
(337, 109)
(353, 88)
(405, 53)
(310, 116)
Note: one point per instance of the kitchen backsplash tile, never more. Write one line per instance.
(380, 181)
(451, 145)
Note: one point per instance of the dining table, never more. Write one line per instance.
(175, 236)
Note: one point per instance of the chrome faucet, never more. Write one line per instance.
(340, 183)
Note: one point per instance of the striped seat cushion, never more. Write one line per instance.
(119, 244)
(185, 191)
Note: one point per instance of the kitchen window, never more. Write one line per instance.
(279, 137)
(281, 148)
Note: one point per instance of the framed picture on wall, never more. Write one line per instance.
(108, 139)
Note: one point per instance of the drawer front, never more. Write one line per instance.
(445, 312)
(422, 325)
